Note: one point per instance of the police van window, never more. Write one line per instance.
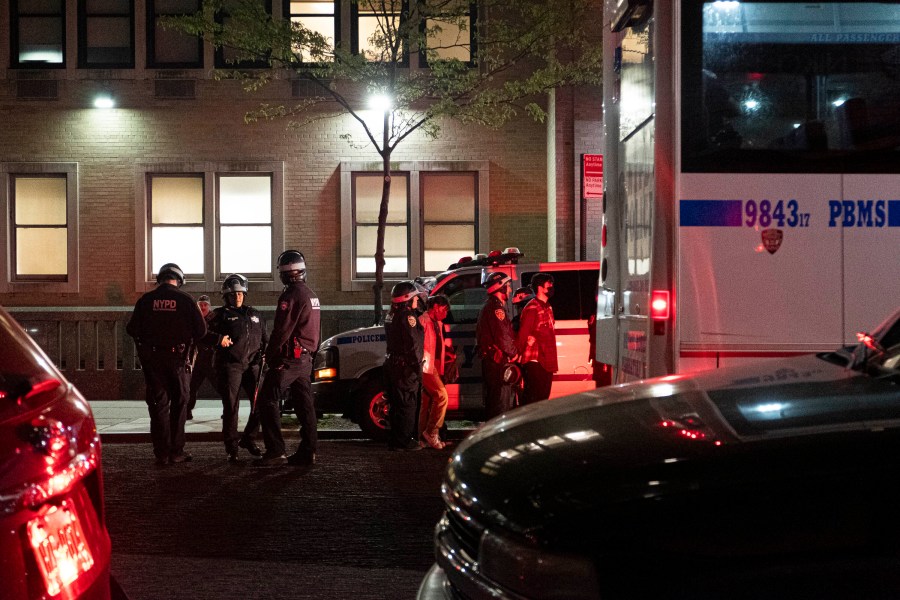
(790, 87)
(566, 301)
(466, 297)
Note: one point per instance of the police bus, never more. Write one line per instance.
(752, 185)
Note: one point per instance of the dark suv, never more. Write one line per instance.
(53, 537)
(779, 480)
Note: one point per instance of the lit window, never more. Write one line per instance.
(106, 34)
(212, 219)
(167, 47)
(38, 33)
(40, 215)
(367, 203)
(176, 222)
(435, 217)
(448, 33)
(376, 24)
(318, 17)
(245, 224)
(449, 211)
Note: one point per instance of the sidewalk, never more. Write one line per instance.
(128, 421)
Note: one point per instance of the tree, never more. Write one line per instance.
(484, 70)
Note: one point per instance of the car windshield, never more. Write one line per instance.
(20, 367)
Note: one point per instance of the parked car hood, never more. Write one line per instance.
(666, 452)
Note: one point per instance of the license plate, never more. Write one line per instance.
(59, 546)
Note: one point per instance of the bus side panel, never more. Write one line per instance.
(759, 267)
(870, 217)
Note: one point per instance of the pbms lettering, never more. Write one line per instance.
(857, 213)
(165, 305)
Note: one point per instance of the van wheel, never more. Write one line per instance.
(372, 411)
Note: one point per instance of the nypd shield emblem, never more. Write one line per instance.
(771, 239)
(411, 320)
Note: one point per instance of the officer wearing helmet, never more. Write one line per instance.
(405, 339)
(496, 343)
(238, 333)
(520, 298)
(294, 339)
(165, 325)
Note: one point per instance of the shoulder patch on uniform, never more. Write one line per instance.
(411, 320)
(283, 305)
(255, 319)
(314, 302)
(500, 314)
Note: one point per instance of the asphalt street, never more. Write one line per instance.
(357, 525)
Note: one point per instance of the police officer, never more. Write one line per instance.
(201, 361)
(165, 324)
(294, 339)
(520, 298)
(405, 338)
(238, 332)
(496, 343)
(536, 341)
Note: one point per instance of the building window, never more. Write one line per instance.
(234, 58)
(106, 34)
(371, 20)
(319, 17)
(37, 33)
(245, 224)
(176, 222)
(169, 48)
(449, 31)
(212, 220)
(41, 239)
(437, 213)
(449, 218)
(367, 190)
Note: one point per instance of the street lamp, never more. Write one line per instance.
(104, 100)
(381, 102)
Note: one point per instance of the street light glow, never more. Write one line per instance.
(381, 102)
(104, 102)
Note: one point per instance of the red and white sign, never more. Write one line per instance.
(592, 169)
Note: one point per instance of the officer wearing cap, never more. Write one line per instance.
(238, 332)
(201, 361)
(496, 342)
(294, 339)
(165, 324)
(405, 339)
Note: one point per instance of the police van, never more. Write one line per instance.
(347, 371)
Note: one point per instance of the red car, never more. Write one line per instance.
(53, 537)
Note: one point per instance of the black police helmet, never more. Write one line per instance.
(235, 283)
(512, 374)
(404, 292)
(495, 281)
(170, 271)
(522, 295)
(291, 266)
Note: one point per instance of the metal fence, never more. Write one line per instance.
(93, 351)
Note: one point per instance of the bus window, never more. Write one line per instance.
(790, 86)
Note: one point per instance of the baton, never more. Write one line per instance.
(259, 380)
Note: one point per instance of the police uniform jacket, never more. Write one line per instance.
(405, 336)
(296, 328)
(167, 320)
(247, 329)
(537, 322)
(494, 331)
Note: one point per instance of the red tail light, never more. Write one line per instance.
(659, 305)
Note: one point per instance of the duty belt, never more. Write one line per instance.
(173, 349)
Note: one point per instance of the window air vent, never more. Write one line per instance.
(304, 88)
(174, 88)
(37, 89)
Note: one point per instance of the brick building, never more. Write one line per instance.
(96, 199)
